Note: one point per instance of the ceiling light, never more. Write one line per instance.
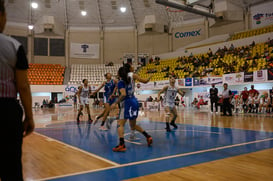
(123, 9)
(84, 13)
(30, 27)
(34, 5)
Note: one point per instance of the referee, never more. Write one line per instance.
(227, 95)
(13, 80)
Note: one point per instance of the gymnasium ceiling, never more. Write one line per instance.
(102, 13)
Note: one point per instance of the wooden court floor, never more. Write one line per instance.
(45, 158)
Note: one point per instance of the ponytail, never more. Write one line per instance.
(127, 68)
(2, 6)
(123, 74)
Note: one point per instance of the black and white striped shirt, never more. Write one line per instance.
(12, 57)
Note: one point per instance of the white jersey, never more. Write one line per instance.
(256, 100)
(85, 92)
(250, 100)
(130, 90)
(169, 97)
(266, 100)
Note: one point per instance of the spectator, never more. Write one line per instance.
(209, 53)
(182, 101)
(253, 43)
(150, 99)
(14, 80)
(256, 102)
(231, 48)
(265, 103)
(151, 60)
(244, 95)
(271, 94)
(200, 102)
(253, 91)
(194, 102)
(176, 101)
(166, 69)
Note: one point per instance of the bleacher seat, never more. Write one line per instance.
(93, 72)
(46, 74)
(253, 32)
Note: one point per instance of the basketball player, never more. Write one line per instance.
(83, 95)
(169, 102)
(109, 98)
(128, 105)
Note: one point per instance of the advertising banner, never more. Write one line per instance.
(196, 81)
(204, 81)
(84, 50)
(260, 76)
(188, 82)
(270, 74)
(181, 82)
(262, 15)
(239, 77)
(229, 78)
(215, 80)
(248, 77)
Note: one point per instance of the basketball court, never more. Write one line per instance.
(201, 139)
(67, 41)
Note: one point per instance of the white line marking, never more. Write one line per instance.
(133, 142)
(75, 148)
(161, 158)
(137, 143)
(78, 173)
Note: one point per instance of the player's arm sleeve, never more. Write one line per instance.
(22, 62)
(121, 85)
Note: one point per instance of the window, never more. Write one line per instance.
(41, 46)
(57, 47)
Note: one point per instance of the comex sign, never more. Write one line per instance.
(187, 34)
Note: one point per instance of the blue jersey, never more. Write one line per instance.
(130, 88)
(109, 88)
(129, 106)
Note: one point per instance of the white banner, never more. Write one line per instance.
(229, 78)
(260, 76)
(262, 15)
(154, 85)
(84, 50)
(239, 78)
(215, 80)
(72, 89)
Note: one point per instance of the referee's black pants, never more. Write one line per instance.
(11, 136)
(227, 107)
(215, 102)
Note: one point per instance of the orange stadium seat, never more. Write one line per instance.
(46, 74)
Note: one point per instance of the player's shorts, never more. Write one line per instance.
(106, 99)
(84, 101)
(131, 108)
